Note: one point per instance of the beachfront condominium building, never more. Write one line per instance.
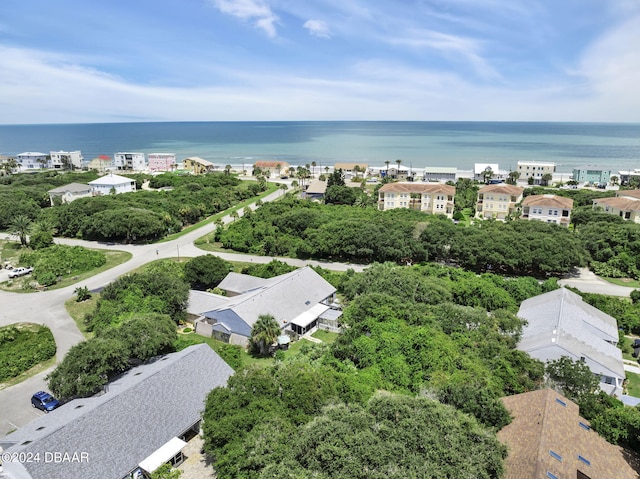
(439, 173)
(31, 160)
(197, 165)
(535, 170)
(280, 168)
(101, 163)
(129, 161)
(592, 175)
(161, 161)
(498, 201)
(625, 204)
(432, 198)
(547, 208)
(66, 160)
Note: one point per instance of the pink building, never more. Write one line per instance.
(161, 161)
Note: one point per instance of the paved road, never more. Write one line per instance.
(587, 282)
(48, 307)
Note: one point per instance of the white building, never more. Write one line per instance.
(129, 161)
(161, 161)
(547, 208)
(535, 170)
(59, 158)
(31, 160)
(111, 183)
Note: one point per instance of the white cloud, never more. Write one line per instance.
(317, 28)
(250, 10)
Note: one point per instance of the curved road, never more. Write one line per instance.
(47, 307)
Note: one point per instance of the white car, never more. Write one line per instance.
(14, 273)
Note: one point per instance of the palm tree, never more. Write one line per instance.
(546, 178)
(513, 177)
(20, 226)
(283, 187)
(387, 163)
(264, 333)
(487, 174)
(227, 170)
(234, 215)
(326, 169)
(313, 168)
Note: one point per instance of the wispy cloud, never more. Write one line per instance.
(317, 28)
(255, 11)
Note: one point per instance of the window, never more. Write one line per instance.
(555, 455)
(585, 426)
(551, 476)
(561, 402)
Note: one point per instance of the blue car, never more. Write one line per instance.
(44, 401)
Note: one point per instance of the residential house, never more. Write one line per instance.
(275, 166)
(298, 300)
(70, 192)
(625, 176)
(351, 170)
(101, 163)
(61, 160)
(625, 204)
(480, 172)
(439, 173)
(315, 190)
(432, 198)
(547, 208)
(398, 172)
(129, 161)
(535, 170)
(32, 160)
(592, 175)
(560, 324)
(111, 183)
(140, 422)
(197, 165)
(161, 161)
(498, 201)
(548, 439)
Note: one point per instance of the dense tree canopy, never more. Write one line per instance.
(206, 271)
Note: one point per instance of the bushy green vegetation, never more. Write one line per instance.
(60, 260)
(139, 293)
(206, 272)
(93, 363)
(23, 346)
(308, 230)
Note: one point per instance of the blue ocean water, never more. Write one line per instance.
(417, 144)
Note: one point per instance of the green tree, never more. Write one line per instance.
(574, 378)
(145, 335)
(264, 334)
(340, 195)
(41, 234)
(20, 226)
(513, 177)
(227, 170)
(82, 294)
(487, 174)
(166, 472)
(206, 272)
(546, 178)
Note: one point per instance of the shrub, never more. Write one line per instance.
(23, 347)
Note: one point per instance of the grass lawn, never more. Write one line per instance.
(78, 311)
(271, 187)
(633, 384)
(325, 336)
(10, 251)
(628, 282)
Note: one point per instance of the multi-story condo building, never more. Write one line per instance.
(66, 160)
(101, 163)
(31, 160)
(592, 174)
(498, 201)
(625, 204)
(129, 161)
(432, 198)
(161, 161)
(535, 170)
(547, 208)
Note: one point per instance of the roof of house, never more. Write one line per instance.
(553, 201)
(411, 187)
(561, 319)
(440, 170)
(593, 168)
(140, 412)
(502, 188)
(629, 193)
(536, 163)
(479, 168)
(622, 203)
(547, 426)
(241, 283)
(71, 188)
(270, 164)
(285, 297)
(350, 166)
(112, 180)
(200, 301)
(316, 187)
(200, 161)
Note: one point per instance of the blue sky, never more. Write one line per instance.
(73, 61)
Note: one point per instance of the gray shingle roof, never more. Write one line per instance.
(560, 319)
(241, 283)
(284, 297)
(141, 411)
(71, 188)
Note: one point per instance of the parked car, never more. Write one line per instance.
(44, 401)
(14, 273)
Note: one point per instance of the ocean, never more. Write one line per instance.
(417, 144)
